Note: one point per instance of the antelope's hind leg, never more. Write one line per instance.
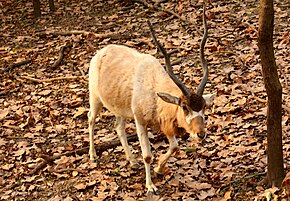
(95, 108)
(120, 129)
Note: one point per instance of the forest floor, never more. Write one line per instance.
(44, 117)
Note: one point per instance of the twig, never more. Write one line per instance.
(12, 127)
(17, 64)
(170, 12)
(9, 91)
(52, 79)
(17, 138)
(285, 78)
(61, 55)
(39, 167)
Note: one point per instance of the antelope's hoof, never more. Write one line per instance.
(152, 190)
(159, 172)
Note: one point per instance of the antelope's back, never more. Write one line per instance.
(126, 80)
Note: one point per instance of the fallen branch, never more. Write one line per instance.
(99, 149)
(169, 12)
(52, 79)
(9, 91)
(85, 33)
(61, 55)
(17, 64)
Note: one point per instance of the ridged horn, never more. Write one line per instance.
(200, 88)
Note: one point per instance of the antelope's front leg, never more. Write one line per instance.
(147, 155)
(173, 145)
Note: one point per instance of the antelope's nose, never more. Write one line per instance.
(201, 134)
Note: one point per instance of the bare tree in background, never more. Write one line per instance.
(275, 172)
(37, 10)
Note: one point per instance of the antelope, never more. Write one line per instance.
(135, 86)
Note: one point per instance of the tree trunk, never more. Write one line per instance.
(51, 5)
(36, 8)
(275, 172)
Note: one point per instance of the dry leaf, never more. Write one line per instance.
(7, 166)
(36, 118)
(2, 142)
(19, 152)
(227, 195)
(3, 113)
(80, 186)
(80, 111)
(206, 194)
(45, 92)
(60, 128)
(56, 198)
(75, 173)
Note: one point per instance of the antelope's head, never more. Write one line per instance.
(190, 115)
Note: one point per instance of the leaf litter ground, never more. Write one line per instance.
(50, 117)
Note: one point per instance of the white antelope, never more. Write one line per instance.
(135, 86)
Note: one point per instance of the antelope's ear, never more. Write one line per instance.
(169, 98)
(209, 99)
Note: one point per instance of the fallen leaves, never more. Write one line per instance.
(43, 111)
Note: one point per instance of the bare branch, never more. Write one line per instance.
(99, 149)
(86, 33)
(17, 64)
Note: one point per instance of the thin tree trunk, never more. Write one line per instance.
(51, 5)
(36, 8)
(275, 172)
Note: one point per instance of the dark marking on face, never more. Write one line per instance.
(196, 102)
